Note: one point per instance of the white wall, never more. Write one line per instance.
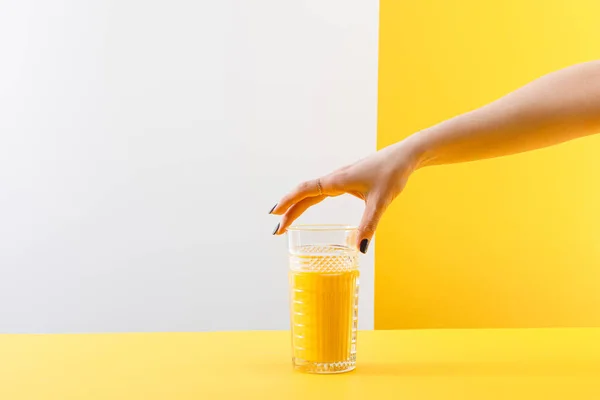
(142, 144)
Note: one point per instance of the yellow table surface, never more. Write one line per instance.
(418, 364)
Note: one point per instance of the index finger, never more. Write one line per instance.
(306, 189)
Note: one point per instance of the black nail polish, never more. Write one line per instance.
(364, 245)
(272, 208)
(276, 229)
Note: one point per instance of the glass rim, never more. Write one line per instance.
(322, 227)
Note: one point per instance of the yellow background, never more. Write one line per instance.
(511, 242)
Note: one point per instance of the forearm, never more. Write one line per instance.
(558, 107)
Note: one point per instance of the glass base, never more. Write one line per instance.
(324, 368)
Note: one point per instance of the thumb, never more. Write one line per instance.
(368, 224)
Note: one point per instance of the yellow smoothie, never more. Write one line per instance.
(324, 314)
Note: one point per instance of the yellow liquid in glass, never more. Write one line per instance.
(324, 318)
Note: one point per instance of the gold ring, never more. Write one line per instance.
(319, 187)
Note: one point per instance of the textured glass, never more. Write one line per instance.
(323, 298)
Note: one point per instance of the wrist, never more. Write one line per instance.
(414, 150)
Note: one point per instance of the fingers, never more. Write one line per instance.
(368, 224)
(295, 211)
(312, 188)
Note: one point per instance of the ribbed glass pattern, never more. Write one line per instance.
(324, 308)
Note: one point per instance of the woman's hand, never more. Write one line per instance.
(377, 180)
(560, 106)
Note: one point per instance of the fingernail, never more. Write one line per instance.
(276, 229)
(364, 245)
(272, 208)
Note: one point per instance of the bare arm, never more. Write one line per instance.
(561, 106)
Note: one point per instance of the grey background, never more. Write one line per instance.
(143, 142)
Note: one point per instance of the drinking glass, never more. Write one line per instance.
(323, 280)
